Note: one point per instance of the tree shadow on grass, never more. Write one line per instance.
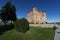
(4, 28)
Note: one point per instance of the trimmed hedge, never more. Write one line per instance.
(22, 25)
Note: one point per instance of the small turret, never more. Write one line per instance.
(34, 8)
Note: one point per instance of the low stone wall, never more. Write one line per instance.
(44, 25)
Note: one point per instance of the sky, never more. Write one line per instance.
(52, 8)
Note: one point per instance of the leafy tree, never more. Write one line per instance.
(22, 25)
(8, 12)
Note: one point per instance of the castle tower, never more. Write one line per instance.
(43, 17)
(34, 9)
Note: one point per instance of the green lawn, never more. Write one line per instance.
(34, 33)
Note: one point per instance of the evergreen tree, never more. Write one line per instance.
(13, 13)
(8, 12)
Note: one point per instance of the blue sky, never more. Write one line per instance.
(52, 8)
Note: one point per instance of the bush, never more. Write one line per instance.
(54, 27)
(4, 28)
(22, 25)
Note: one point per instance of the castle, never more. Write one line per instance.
(36, 17)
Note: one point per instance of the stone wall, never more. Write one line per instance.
(44, 25)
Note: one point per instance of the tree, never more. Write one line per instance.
(0, 14)
(13, 13)
(22, 25)
(8, 12)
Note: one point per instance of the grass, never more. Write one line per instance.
(34, 33)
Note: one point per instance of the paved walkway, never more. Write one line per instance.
(57, 34)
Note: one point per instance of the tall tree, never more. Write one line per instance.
(13, 13)
(8, 12)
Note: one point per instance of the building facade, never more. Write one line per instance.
(36, 17)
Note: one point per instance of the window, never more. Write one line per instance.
(43, 15)
(36, 17)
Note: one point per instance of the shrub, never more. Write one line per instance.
(4, 28)
(54, 27)
(22, 25)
